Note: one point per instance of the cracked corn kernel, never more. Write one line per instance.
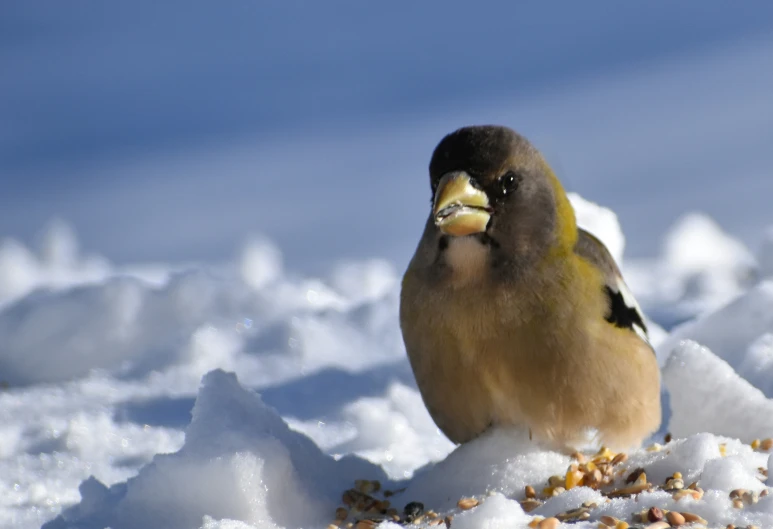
(603, 455)
(574, 478)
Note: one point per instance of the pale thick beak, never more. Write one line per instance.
(460, 209)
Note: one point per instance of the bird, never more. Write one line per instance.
(512, 315)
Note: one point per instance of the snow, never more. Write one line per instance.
(56, 264)
(706, 394)
(122, 405)
(732, 330)
(496, 513)
(696, 242)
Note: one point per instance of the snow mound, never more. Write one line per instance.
(739, 333)
(504, 461)
(240, 462)
(56, 264)
(709, 266)
(261, 263)
(701, 268)
(199, 318)
(706, 395)
(394, 431)
(697, 243)
(497, 512)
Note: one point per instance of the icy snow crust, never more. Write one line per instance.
(241, 396)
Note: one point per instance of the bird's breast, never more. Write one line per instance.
(470, 354)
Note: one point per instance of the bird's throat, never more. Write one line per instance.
(467, 258)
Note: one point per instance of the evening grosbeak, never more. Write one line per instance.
(514, 316)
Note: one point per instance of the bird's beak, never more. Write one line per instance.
(459, 208)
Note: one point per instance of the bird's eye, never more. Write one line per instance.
(508, 183)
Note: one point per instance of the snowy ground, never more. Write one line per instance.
(105, 418)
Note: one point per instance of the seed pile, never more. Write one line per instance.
(364, 509)
(603, 471)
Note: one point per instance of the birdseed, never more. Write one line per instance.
(549, 523)
(466, 504)
(603, 471)
(674, 518)
(693, 518)
(608, 520)
(654, 514)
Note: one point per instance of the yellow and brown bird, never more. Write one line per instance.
(514, 316)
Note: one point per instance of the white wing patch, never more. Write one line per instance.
(626, 311)
(631, 302)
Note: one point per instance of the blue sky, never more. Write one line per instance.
(168, 132)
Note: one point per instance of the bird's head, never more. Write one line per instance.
(489, 183)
